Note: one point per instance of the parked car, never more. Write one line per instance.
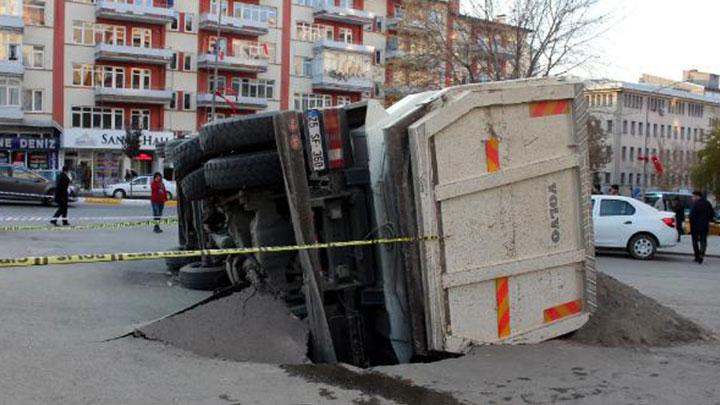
(137, 187)
(662, 200)
(25, 184)
(626, 223)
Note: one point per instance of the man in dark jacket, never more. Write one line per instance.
(701, 214)
(62, 182)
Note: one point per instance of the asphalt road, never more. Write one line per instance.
(58, 325)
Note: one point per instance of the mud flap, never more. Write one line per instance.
(292, 159)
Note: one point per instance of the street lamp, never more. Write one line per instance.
(646, 135)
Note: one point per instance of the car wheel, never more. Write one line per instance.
(642, 247)
(119, 194)
(195, 276)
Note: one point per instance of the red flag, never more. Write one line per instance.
(658, 165)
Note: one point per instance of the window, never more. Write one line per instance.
(630, 179)
(34, 56)
(309, 3)
(83, 75)
(109, 34)
(624, 153)
(343, 100)
(609, 126)
(378, 57)
(11, 7)
(222, 84)
(345, 35)
(625, 127)
(142, 37)
(173, 101)
(615, 208)
(314, 32)
(257, 88)
(34, 12)
(607, 178)
(189, 22)
(187, 102)
(632, 154)
(9, 92)
(140, 119)
(97, 117)
(632, 128)
(675, 133)
(622, 178)
(214, 7)
(255, 13)
(655, 131)
(633, 101)
(174, 24)
(310, 101)
(640, 128)
(303, 66)
(83, 33)
(173, 61)
(142, 181)
(141, 78)
(109, 76)
(33, 100)
(187, 65)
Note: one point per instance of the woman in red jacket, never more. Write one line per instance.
(158, 198)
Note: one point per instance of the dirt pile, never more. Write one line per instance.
(244, 326)
(626, 317)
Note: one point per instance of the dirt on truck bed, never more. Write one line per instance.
(625, 318)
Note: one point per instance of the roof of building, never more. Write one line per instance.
(650, 88)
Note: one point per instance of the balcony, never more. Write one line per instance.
(234, 25)
(127, 95)
(11, 113)
(12, 67)
(12, 23)
(140, 13)
(343, 46)
(240, 62)
(133, 54)
(336, 69)
(228, 101)
(329, 11)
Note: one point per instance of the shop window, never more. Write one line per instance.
(140, 119)
(9, 92)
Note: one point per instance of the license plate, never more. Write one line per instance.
(317, 154)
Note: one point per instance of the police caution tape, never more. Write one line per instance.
(119, 257)
(113, 225)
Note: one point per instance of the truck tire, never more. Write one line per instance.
(170, 148)
(187, 157)
(194, 186)
(241, 171)
(196, 277)
(237, 133)
(174, 264)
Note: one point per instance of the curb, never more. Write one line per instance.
(662, 252)
(119, 201)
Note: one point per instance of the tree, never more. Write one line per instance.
(132, 142)
(598, 147)
(675, 169)
(505, 39)
(706, 172)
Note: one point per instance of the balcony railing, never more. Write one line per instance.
(130, 95)
(343, 46)
(11, 112)
(253, 58)
(139, 12)
(12, 23)
(236, 24)
(231, 101)
(325, 78)
(12, 67)
(124, 53)
(327, 10)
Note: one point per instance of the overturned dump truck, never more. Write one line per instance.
(491, 179)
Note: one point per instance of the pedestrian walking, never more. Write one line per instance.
(614, 190)
(158, 197)
(62, 182)
(701, 214)
(679, 210)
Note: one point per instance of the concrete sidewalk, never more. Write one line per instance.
(685, 247)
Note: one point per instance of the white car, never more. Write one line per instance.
(622, 222)
(137, 187)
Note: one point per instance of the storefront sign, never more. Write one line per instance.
(81, 138)
(28, 142)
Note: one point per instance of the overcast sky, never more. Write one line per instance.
(661, 37)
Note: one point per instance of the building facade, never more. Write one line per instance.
(163, 66)
(645, 121)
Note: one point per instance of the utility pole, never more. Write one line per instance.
(217, 60)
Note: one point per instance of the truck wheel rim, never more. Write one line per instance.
(643, 247)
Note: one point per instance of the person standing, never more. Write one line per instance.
(701, 214)
(158, 196)
(679, 210)
(62, 182)
(614, 190)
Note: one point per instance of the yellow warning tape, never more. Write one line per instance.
(118, 257)
(43, 228)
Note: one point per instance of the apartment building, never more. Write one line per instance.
(164, 66)
(645, 120)
(28, 134)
